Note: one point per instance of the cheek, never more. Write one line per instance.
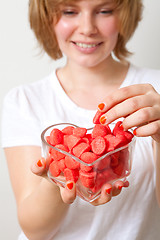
(63, 29)
(110, 28)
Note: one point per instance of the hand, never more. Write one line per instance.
(68, 194)
(109, 191)
(139, 105)
(40, 168)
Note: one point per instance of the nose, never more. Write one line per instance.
(87, 25)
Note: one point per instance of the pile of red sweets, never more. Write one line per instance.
(88, 147)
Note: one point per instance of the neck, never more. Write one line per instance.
(107, 73)
(88, 86)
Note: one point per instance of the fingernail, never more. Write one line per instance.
(101, 106)
(108, 190)
(39, 163)
(103, 120)
(70, 185)
(126, 184)
(119, 187)
(121, 127)
(134, 132)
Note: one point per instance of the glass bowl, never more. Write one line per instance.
(88, 171)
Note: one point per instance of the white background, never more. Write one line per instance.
(20, 63)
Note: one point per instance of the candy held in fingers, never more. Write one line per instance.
(96, 119)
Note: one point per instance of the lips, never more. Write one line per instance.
(87, 45)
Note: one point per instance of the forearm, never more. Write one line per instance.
(157, 155)
(41, 213)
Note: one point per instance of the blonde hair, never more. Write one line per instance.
(42, 13)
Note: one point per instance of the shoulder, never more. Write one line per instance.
(31, 92)
(146, 75)
(29, 101)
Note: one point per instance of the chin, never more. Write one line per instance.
(90, 63)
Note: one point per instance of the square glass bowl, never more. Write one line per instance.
(89, 176)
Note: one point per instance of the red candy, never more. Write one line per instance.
(87, 179)
(80, 148)
(71, 163)
(88, 147)
(56, 137)
(104, 163)
(72, 141)
(80, 132)
(118, 132)
(115, 159)
(100, 130)
(68, 130)
(56, 155)
(98, 145)
(54, 169)
(97, 117)
(71, 174)
(61, 164)
(88, 157)
(114, 142)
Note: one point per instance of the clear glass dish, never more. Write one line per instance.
(89, 177)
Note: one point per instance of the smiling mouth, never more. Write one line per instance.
(87, 45)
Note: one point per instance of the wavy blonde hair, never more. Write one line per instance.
(42, 14)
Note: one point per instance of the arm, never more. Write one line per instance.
(39, 203)
(140, 106)
(157, 160)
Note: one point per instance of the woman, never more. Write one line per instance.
(93, 36)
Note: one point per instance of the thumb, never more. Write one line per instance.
(68, 193)
(39, 167)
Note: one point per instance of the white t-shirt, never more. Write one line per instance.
(132, 215)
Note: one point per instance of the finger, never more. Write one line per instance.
(142, 117)
(106, 195)
(39, 167)
(127, 107)
(150, 129)
(121, 94)
(126, 184)
(68, 193)
(117, 187)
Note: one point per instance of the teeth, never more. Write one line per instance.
(83, 45)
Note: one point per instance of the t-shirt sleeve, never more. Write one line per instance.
(20, 125)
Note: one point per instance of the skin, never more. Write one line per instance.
(85, 22)
(140, 105)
